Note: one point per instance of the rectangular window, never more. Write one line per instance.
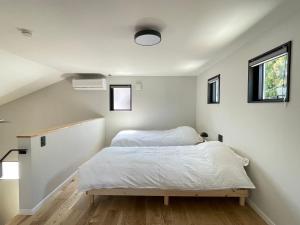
(120, 97)
(213, 90)
(269, 75)
(10, 171)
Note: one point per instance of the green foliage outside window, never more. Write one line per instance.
(275, 78)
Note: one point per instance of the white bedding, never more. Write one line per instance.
(208, 166)
(175, 137)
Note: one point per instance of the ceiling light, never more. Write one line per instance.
(147, 37)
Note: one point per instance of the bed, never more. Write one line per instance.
(205, 169)
(179, 136)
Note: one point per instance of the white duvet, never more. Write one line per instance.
(174, 137)
(207, 166)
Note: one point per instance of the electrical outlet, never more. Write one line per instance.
(220, 138)
(43, 141)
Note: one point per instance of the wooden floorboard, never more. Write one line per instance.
(69, 207)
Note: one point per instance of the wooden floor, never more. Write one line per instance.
(69, 207)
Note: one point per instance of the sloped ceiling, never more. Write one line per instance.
(19, 76)
(96, 36)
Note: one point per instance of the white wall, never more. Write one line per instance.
(164, 102)
(43, 169)
(8, 203)
(266, 133)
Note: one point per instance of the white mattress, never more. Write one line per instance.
(207, 166)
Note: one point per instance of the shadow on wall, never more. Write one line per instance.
(60, 178)
(27, 89)
(261, 181)
(275, 194)
(70, 76)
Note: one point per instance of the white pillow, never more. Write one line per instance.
(175, 137)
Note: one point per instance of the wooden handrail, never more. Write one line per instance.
(49, 130)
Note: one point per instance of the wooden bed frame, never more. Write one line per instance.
(242, 194)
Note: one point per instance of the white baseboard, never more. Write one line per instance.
(260, 212)
(43, 201)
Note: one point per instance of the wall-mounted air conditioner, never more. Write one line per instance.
(89, 84)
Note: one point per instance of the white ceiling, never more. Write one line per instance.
(19, 76)
(96, 36)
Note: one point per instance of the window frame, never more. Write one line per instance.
(217, 77)
(111, 96)
(251, 88)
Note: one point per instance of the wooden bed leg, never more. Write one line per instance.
(242, 201)
(166, 200)
(92, 199)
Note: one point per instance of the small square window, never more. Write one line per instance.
(120, 97)
(269, 76)
(213, 90)
(10, 171)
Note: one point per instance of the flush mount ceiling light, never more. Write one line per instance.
(147, 37)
